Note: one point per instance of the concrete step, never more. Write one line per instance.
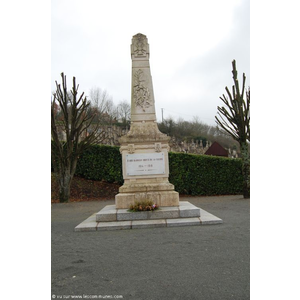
(90, 224)
(111, 214)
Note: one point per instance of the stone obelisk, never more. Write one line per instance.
(144, 149)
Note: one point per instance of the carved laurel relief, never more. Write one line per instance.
(141, 93)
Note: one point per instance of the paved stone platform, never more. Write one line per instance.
(111, 214)
(110, 218)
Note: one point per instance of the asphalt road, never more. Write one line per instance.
(209, 262)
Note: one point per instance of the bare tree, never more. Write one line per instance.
(234, 118)
(104, 104)
(99, 99)
(124, 113)
(77, 120)
(111, 112)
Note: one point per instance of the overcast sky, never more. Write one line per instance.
(192, 45)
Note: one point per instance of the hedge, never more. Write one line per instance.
(101, 162)
(191, 174)
(205, 175)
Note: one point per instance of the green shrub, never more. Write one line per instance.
(205, 175)
(101, 162)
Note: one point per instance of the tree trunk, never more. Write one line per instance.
(245, 153)
(64, 187)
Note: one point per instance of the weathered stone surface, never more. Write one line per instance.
(124, 200)
(144, 177)
(145, 130)
(165, 216)
(89, 224)
(107, 214)
(185, 209)
(161, 198)
(124, 214)
(114, 225)
(162, 185)
(148, 224)
(188, 210)
(164, 213)
(183, 222)
(169, 199)
(207, 218)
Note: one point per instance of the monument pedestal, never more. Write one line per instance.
(162, 199)
(112, 218)
(145, 172)
(156, 188)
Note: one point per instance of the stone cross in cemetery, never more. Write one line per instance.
(144, 148)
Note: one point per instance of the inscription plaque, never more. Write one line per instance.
(145, 164)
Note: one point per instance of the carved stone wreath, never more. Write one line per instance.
(141, 94)
(140, 44)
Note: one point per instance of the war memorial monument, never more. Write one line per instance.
(145, 164)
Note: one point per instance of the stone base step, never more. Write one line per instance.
(90, 224)
(111, 214)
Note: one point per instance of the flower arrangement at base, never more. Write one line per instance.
(145, 205)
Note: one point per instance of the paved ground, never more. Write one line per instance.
(195, 262)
